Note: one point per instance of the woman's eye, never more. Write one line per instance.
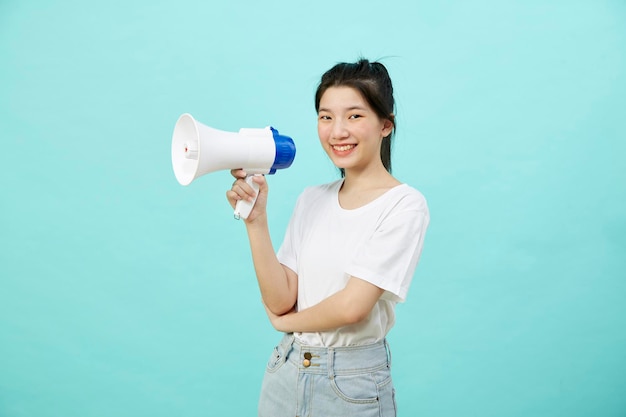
(324, 117)
(355, 116)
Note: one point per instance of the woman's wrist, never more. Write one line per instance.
(259, 222)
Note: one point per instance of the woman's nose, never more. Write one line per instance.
(339, 130)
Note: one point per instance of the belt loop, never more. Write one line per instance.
(331, 362)
(388, 349)
(288, 342)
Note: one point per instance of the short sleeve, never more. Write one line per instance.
(389, 256)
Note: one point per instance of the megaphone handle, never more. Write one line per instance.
(244, 207)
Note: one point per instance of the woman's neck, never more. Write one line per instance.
(363, 181)
(359, 190)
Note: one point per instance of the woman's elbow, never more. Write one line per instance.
(281, 308)
(355, 314)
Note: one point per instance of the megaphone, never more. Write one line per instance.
(198, 149)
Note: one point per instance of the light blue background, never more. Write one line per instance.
(124, 294)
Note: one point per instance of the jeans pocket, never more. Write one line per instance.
(277, 359)
(359, 388)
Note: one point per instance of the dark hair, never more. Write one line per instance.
(372, 80)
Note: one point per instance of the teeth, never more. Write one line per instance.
(343, 148)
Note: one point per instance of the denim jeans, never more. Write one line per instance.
(313, 381)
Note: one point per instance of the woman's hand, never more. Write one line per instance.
(243, 191)
(346, 307)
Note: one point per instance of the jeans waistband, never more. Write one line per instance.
(343, 360)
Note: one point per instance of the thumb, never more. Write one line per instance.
(261, 181)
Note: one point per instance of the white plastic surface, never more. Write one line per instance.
(244, 207)
(198, 149)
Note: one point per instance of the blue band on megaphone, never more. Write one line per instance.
(285, 151)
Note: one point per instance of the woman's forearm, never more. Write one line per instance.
(348, 306)
(278, 284)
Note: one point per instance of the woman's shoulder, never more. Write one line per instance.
(317, 199)
(316, 191)
(408, 197)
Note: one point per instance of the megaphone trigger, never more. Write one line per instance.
(244, 207)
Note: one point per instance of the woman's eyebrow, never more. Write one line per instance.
(356, 107)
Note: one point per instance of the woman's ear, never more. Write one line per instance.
(388, 125)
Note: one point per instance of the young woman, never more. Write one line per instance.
(347, 258)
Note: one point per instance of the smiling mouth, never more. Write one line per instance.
(343, 148)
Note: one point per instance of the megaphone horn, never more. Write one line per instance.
(198, 149)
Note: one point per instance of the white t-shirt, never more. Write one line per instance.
(380, 243)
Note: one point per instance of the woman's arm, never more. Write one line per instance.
(278, 284)
(348, 306)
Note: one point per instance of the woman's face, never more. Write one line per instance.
(349, 130)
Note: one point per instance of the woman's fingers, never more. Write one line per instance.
(241, 190)
(238, 173)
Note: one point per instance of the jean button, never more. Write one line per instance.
(306, 363)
